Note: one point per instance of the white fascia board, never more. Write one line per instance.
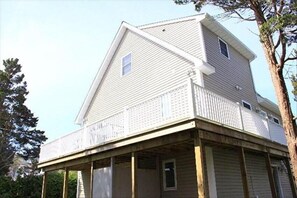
(201, 65)
(167, 22)
(226, 35)
(268, 104)
(99, 75)
(204, 67)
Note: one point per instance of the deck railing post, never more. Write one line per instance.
(240, 116)
(44, 184)
(268, 128)
(85, 133)
(191, 99)
(126, 121)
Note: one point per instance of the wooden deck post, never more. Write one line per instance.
(44, 183)
(91, 179)
(243, 172)
(199, 161)
(270, 175)
(291, 179)
(134, 174)
(65, 183)
(112, 175)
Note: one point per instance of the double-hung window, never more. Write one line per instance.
(126, 64)
(224, 48)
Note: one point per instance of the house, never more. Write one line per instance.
(173, 112)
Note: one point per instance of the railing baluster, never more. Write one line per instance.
(191, 99)
(240, 115)
(126, 121)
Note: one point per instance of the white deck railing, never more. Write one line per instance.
(186, 101)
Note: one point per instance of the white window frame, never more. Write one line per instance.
(219, 39)
(122, 64)
(263, 113)
(164, 176)
(277, 180)
(245, 102)
(272, 119)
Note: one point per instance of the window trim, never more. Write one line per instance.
(272, 119)
(277, 181)
(228, 52)
(245, 102)
(164, 178)
(122, 64)
(261, 112)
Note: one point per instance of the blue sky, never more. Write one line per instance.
(61, 44)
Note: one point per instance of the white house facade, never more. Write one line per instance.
(173, 112)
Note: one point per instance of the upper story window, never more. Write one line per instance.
(246, 105)
(275, 120)
(169, 175)
(263, 113)
(224, 48)
(126, 64)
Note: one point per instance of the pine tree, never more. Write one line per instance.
(18, 133)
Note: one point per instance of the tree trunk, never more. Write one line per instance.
(284, 107)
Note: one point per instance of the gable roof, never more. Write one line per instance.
(215, 27)
(200, 64)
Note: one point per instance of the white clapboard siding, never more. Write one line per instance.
(283, 177)
(183, 34)
(185, 176)
(227, 173)
(154, 70)
(257, 174)
(229, 72)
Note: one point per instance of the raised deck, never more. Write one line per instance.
(185, 102)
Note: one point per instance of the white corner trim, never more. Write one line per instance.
(100, 73)
(202, 41)
(201, 65)
(199, 78)
(210, 172)
(204, 67)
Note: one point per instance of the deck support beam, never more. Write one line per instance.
(65, 183)
(243, 172)
(199, 161)
(134, 174)
(44, 183)
(91, 179)
(270, 175)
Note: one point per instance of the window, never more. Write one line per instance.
(275, 120)
(277, 182)
(169, 175)
(263, 113)
(126, 64)
(224, 48)
(246, 105)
